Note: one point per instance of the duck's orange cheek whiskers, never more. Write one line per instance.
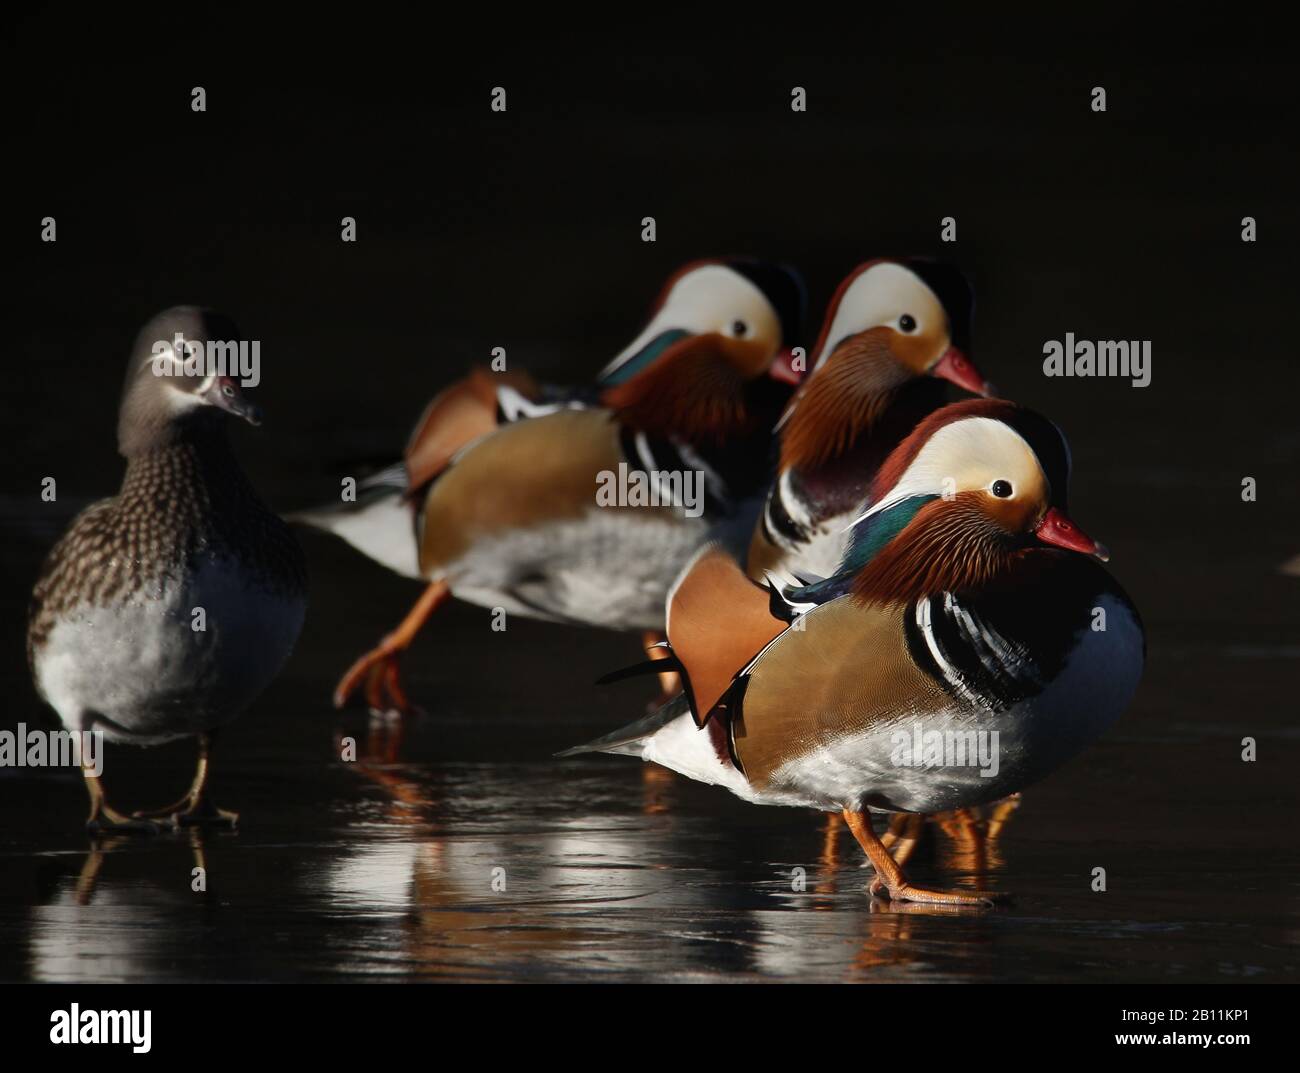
(1057, 529)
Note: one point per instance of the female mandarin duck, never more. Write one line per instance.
(967, 604)
(111, 639)
(892, 333)
(503, 512)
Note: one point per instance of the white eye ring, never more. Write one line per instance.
(1002, 488)
(739, 329)
(228, 391)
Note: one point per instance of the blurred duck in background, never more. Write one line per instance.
(583, 506)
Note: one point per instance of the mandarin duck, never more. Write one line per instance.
(114, 639)
(893, 332)
(969, 615)
(496, 501)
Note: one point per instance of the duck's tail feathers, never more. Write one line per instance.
(630, 739)
(379, 521)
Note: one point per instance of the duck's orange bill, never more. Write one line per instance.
(1057, 529)
(953, 365)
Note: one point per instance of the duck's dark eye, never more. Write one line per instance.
(228, 391)
(907, 323)
(739, 328)
(1001, 489)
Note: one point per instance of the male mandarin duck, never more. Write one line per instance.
(497, 503)
(112, 637)
(967, 603)
(893, 332)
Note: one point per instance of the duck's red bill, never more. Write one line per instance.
(954, 366)
(1057, 529)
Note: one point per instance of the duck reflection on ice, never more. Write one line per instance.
(474, 900)
(102, 925)
(499, 871)
(492, 872)
(970, 845)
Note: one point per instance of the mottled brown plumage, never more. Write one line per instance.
(178, 505)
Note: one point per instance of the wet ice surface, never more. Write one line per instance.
(383, 869)
(623, 874)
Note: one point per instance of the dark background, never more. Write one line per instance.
(522, 230)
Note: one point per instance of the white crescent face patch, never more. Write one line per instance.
(880, 296)
(970, 455)
(710, 299)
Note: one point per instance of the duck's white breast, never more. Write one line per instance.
(145, 665)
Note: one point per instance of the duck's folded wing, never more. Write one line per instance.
(526, 475)
(458, 415)
(847, 668)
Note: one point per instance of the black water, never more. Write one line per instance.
(523, 231)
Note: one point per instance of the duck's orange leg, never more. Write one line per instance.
(379, 666)
(904, 832)
(890, 878)
(999, 814)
